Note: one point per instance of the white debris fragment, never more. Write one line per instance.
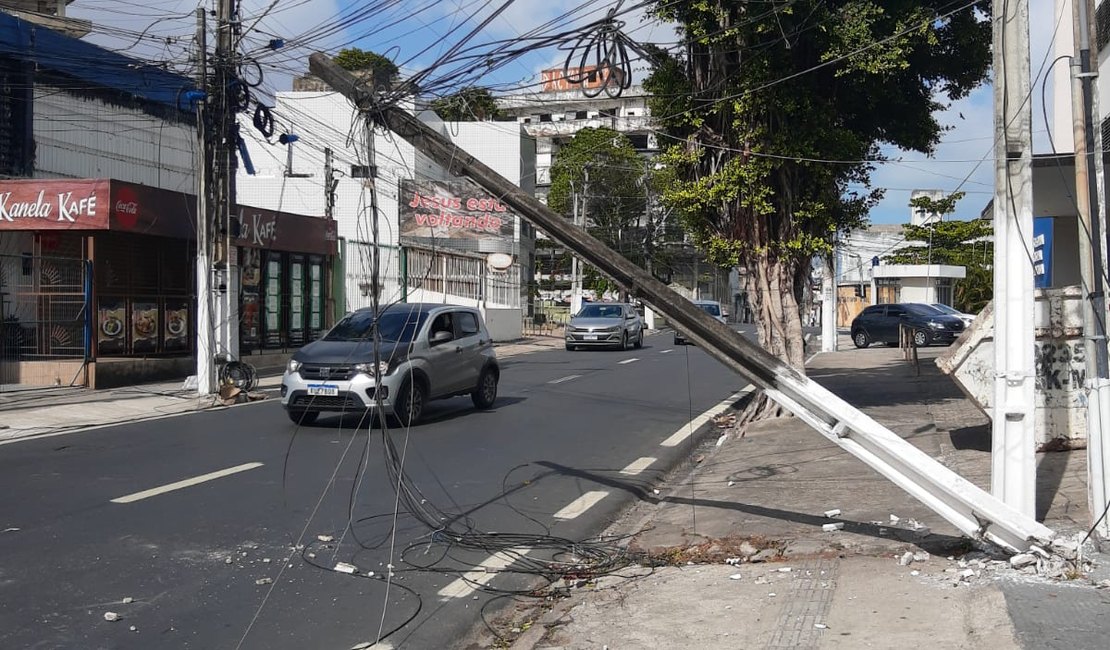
(12, 529)
(128, 600)
(731, 483)
(921, 557)
(228, 560)
(895, 519)
(962, 564)
(915, 573)
(762, 581)
(655, 490)
(721, 440)
(906, 559)
(265, 560)
(820, 626)
(1103, 584)
(735, 576)
(343, 567)
(325, 538)
(263, 581)
(312, 555)
(835, 512)
(111, 617)
(733, 561)
(829, 528)
(785, 569)
(362, 646)
(134, 629)
(967, 574)
(1037, 550)
(772, 594)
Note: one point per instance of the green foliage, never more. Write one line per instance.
(957, 243)
(358, 60)
(761, 98)
(467, 105)
(606, 173)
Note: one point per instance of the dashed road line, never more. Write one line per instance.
(471, 581)
(562, 379)
(581, 504)
(666, 351)
(639, 465)
(189, 482)
(688, 429)
(632, 360)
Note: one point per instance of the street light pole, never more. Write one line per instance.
(1013, 466)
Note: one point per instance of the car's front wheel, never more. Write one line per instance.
(920, 338)
(410, 403)
(624, 340)
(639, 340)
(485, 393)
(305, 418)
(861, 339)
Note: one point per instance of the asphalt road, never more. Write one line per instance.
(219, 563)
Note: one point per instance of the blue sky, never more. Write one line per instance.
(426, 28)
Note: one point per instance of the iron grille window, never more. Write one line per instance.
(1105, 131)
(1102, 25)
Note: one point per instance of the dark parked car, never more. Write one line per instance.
(881, 323)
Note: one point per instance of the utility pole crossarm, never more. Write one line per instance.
(972, 510)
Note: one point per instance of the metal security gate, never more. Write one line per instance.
(459, 278)
(44, 321)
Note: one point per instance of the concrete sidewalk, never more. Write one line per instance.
(51, 411)
(758, 501)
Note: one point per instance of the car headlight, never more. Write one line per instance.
(368, 368)
(613, 329)
(293, 365)
(935, 325)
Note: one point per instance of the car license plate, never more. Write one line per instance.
(590, 337)
(325, 390)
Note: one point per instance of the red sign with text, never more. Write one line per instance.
(54, 205)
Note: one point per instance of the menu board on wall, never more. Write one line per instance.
(144, 326)
(111, 330)
(296, 302)
(177, 325)
(249, 308)
(273, 302)
(316, 297)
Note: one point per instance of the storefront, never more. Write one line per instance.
(98, 282)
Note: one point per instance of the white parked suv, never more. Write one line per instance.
(428, 351)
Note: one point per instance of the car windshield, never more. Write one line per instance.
(921, 309)
(396, 327)
(945, 309)
(600, 311)
(711, 309)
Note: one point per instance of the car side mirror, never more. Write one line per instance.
(441, 336)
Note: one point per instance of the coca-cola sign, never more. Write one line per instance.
(125, 207)
(53, 205)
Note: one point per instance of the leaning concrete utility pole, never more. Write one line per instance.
(1092, 227)
(1013, 466)
(972, 510)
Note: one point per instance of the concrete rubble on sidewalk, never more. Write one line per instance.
(751, 558)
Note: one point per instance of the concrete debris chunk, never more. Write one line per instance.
(915, 573)
(325, 538)
(921, 557)
(785, 569)
(967, 574)
(1103, 584)
(894, 519)
(765, 555)
(228, 560)
(134, 629)
(263, 581)
(111, 617)
(343, 567)
(820, 626)
(835, 512)
(362, 646)
(128, 600)
(829, 528)
(1066, 548)
(746, 549)
(1037, 550)
(735, 576)
(906, 559)
(733, 561)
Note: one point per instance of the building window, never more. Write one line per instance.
(1102, 25)
(581, 115)
(546, 117)
(638, 140)
(526, 120)
(944, 291)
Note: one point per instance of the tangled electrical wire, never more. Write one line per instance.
(604, 58)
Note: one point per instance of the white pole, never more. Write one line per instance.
(828, 307)
(575, 268)
(1013, 466)
(205, 383)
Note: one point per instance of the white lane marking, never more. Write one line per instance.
(562, 379)
(666, 351)
(688, 429)
(581, 504)
(639, 465)
(146, 494)
(483, 573)
(632, 360)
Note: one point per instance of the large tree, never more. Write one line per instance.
(776, 110)
(601, 169)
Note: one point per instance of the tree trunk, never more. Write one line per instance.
(779, 324)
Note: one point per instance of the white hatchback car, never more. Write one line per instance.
(711, 307)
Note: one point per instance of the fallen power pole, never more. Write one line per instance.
(972, 510)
